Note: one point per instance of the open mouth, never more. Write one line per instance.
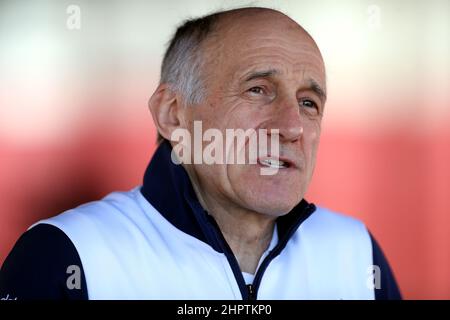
(274, 163)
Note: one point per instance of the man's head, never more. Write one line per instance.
(250, 68)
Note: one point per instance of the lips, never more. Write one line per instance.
(273, 163)
(276, 163)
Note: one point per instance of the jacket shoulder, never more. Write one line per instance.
(336, 223)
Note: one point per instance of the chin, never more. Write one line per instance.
(274, 209)
(273, 195)
(273, 202)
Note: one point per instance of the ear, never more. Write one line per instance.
(165, 108)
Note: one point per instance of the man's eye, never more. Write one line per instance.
(308, 103)
(256, 90)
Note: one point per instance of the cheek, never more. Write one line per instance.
(213, 179)
(311, 138)
(314, 138)
(312, 131)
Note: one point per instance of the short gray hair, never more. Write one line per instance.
(183, 60)
(182, 63)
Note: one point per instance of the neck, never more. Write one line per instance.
(248, 233)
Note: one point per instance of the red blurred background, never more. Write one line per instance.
(74, 124)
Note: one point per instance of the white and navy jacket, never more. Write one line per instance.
(157, 242)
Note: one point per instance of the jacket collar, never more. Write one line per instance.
(169, 190)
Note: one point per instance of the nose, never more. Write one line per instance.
(287, 119)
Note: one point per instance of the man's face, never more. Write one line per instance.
(262, 75)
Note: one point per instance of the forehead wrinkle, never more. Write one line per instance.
(276, 50)
(306, 75)
(263, 73)
(298, 59)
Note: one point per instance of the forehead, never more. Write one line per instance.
(266, 42)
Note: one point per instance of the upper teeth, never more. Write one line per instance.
(274, 163)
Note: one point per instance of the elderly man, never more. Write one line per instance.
(215, 230)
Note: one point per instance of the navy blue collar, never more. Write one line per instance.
(168, 188)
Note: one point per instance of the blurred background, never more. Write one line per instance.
(75, 77)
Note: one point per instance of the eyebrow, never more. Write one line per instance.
(313, 85)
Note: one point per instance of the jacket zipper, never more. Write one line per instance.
(253, 288)
(250, 291)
